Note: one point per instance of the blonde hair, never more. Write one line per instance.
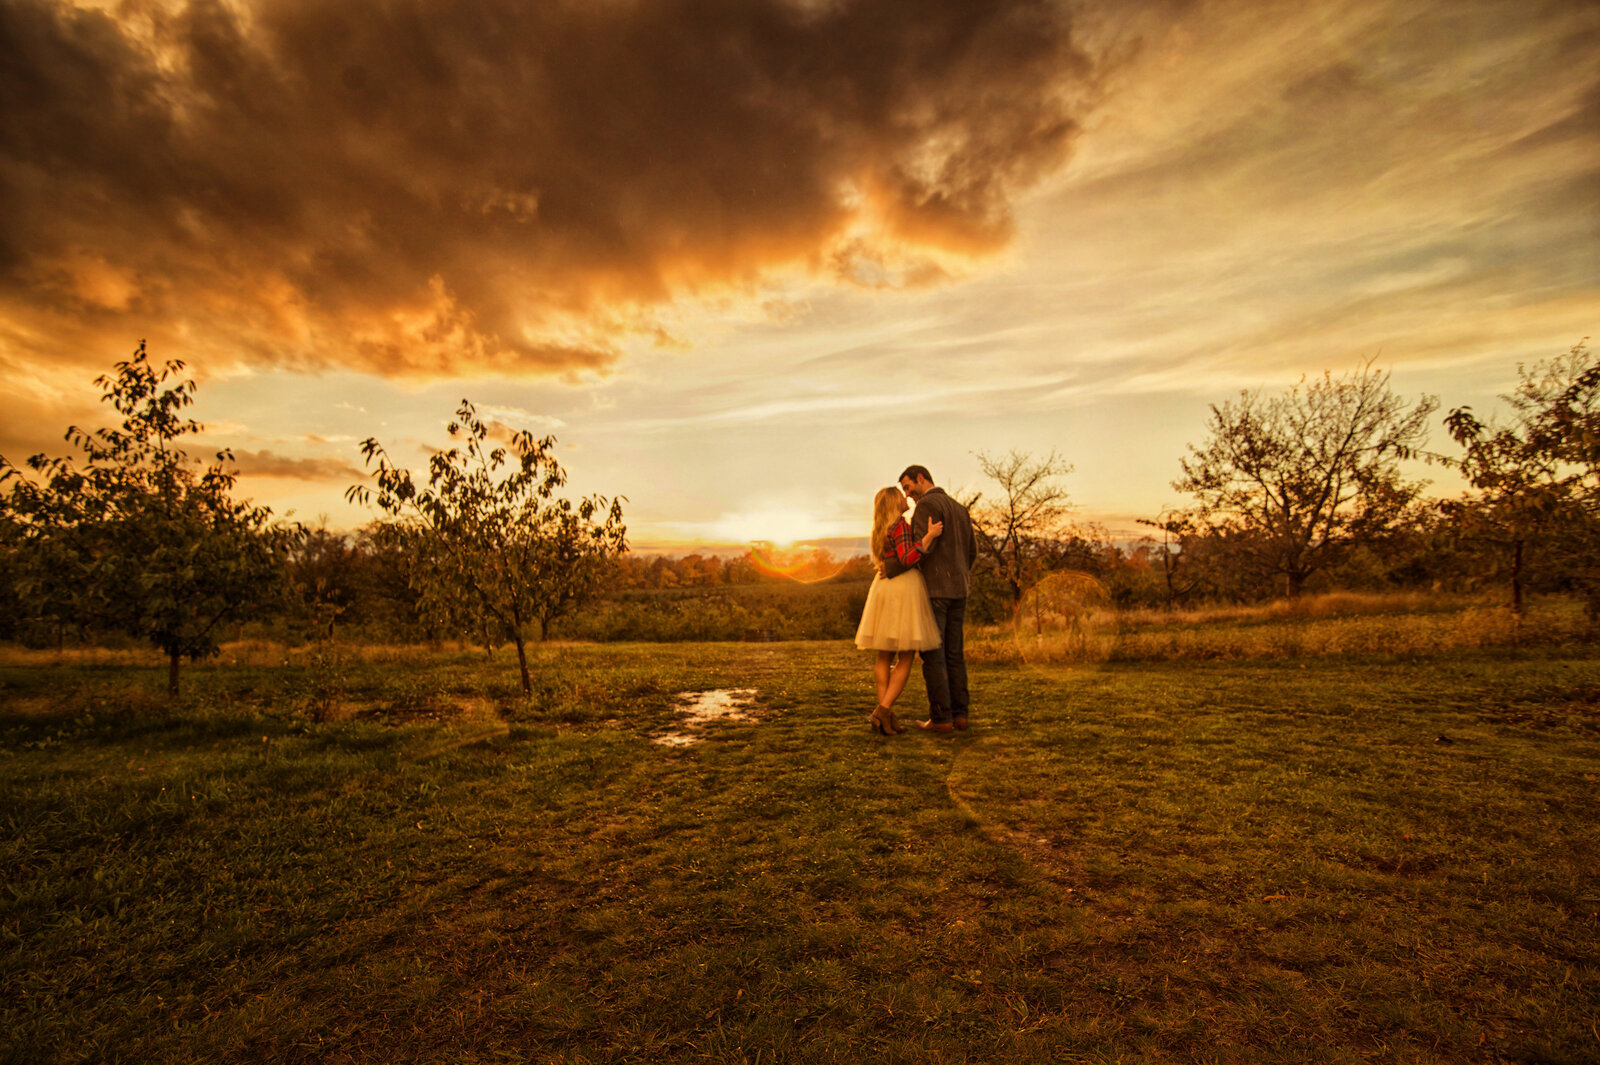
(887, 506)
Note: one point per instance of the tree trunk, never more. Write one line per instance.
(1293, 583)
(1516, 578)
(172, 675)
(544, 629)
(522, 664)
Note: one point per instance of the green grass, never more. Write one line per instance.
(1324, 859)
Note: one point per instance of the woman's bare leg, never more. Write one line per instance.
(897, 678)
(882, 719)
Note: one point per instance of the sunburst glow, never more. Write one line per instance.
(780, 527)
(806, 565)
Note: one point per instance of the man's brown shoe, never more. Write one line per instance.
(940, 727)
(960, 723)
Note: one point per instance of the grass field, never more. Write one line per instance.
(1316, 859)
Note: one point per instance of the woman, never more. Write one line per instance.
(897, 617)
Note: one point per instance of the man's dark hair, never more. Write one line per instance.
(917, 473)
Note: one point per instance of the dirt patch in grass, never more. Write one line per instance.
(1576, 708)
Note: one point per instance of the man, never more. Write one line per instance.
(946, 568)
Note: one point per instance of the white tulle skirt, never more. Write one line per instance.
(897, 616)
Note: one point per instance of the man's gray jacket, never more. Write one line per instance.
(947, 567)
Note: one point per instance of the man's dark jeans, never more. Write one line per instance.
(944, 669)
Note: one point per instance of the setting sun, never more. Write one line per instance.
(779, 526)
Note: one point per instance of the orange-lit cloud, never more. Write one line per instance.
(764, 233)
(496, 185)
(267, 463)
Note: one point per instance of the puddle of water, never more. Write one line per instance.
(728, 704)
(701, 708)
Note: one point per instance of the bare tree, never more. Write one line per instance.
(1025, 527)
(1302, 477)
(1176, 528)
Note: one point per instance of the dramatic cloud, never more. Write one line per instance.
(442, 185)
(325, 206)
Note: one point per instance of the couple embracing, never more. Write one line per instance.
(918, 600)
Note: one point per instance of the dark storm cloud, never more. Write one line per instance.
(439, 184)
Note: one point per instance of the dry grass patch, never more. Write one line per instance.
(1316, 626)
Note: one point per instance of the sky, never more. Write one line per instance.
(748, 259)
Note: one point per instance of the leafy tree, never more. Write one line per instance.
(1537, 477)
(1024, 532)
(387, 602)
(742, 570)
(498, 550)
(44, 594)
(325, 570)
(14, 611)
(571, 563)
(1519, 494)
(139, 538)
(1299, 479)
(1567, 397)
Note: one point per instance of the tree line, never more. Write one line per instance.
(136, 538)
(1309, 488)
